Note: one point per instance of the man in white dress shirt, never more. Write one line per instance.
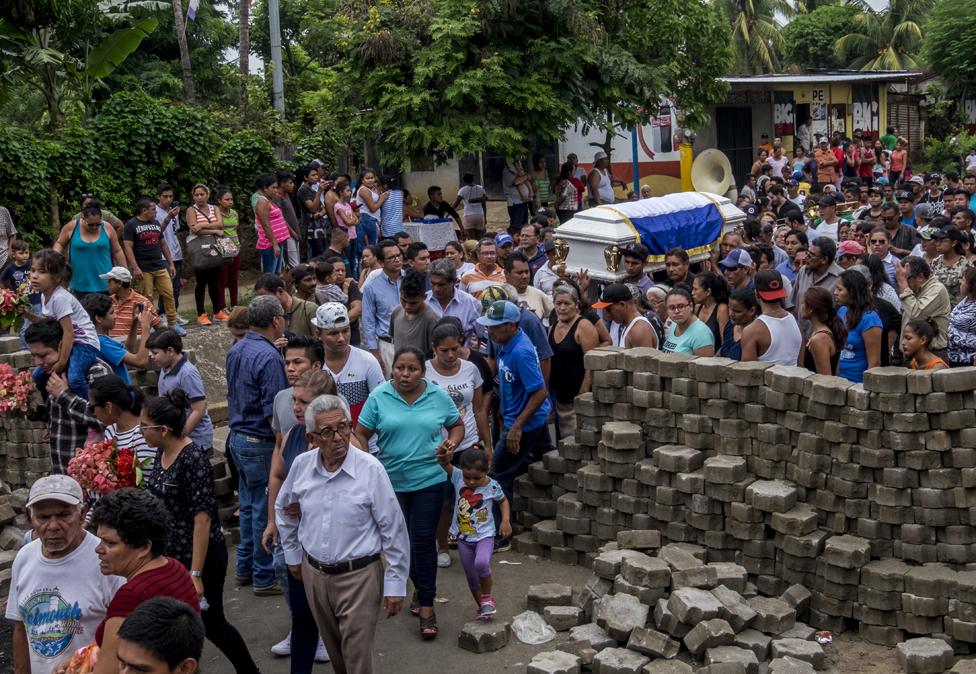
(350, 515)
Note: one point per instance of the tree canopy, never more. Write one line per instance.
(949, 44)
(808, 40)
(447, 77)
(888, 39)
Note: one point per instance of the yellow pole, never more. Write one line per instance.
(687, 157)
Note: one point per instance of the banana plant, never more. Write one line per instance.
(63, 69)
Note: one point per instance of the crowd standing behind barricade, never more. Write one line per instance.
(418, 384)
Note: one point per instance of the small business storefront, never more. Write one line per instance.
(796, 107)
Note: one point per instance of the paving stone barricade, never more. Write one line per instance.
(862, 495)
(25, 456)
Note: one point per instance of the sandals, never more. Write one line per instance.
(415, 605)
(428, 627)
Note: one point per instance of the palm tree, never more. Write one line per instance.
(757, 36)
(889, 39)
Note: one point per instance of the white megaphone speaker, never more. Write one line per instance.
(712, 172)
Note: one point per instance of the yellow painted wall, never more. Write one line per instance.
(836, 94)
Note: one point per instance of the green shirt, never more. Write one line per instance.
(889, 141)
(230, 225)
(408, 435)
(697, 336)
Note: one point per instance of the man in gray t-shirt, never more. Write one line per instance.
(412, 323)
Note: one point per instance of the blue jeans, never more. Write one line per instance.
(368, 228)
(507, 466)
(81, 359)
(422, 511)
(253, 458)
(304, 631)
(271, 264)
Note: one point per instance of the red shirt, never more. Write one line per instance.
(169, 580)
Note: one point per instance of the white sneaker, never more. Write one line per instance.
(443, 560)
(181, 320)
(321, 655)
(283, 647)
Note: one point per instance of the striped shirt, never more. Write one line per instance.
(124, 312)
(132, 439)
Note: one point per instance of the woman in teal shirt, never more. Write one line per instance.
(686, 334)
(407, 414)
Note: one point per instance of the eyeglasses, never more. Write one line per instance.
(678, 307)
(879, 241)
(327, 432)
(146, 427)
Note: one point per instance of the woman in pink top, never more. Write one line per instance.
(270, 223)
(898, 158)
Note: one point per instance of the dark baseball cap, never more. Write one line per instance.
(617, 292)
(769, 285)
(951, 233)
(904, 196)
(635, 250)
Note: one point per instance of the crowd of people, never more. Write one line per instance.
(383, 398)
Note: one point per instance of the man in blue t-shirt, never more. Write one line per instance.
(524, 403)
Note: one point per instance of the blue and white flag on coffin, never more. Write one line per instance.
(692, 221)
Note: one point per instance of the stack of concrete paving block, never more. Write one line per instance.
(774, 469)
(667, 612)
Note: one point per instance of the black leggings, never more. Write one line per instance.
(223, 635)
(209, 278)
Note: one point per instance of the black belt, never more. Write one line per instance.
(341, 567)
(384, 339)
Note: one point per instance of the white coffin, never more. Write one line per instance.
(593, 238)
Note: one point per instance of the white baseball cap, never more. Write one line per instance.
(331, 316)
(599, 155)
(63, 488)
(120, 274)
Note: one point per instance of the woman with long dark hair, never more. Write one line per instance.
(407, 414)
(270, 222)
(862, 349)
(117, 407)
(828, 334)
(204, 219)
(686, 334)
(711, 295)
(566, 194)
(183, 479)
(962, 323)
(743, 309)
(227, 281)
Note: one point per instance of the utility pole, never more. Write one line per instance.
(277, 79)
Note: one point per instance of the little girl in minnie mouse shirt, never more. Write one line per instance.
(474, 524)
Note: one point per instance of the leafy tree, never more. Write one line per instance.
(889, 39)
(949, 43)
(447, 77)
(808, 40)
(756, 35)
(65, 58)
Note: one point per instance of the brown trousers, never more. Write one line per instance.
(346, 607)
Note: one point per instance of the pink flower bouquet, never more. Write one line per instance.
(103, 467)
(16, 390)
(10, 313)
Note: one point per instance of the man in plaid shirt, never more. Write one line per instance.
(69, 419)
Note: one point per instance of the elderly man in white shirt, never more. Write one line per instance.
(350, 515)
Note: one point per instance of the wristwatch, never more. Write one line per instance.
(196, 574)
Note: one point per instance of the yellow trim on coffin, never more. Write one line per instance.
(694, 251)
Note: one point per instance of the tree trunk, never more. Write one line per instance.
(184, 52)
(245, 49)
